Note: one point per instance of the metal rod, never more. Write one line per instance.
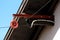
(11, 30)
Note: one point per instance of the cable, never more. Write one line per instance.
(40, 9)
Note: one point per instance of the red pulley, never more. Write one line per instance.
(14, 24)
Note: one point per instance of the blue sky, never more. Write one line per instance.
(7, 8)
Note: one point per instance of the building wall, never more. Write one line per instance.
(52, 33)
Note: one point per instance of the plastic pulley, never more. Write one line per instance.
(14, 24)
